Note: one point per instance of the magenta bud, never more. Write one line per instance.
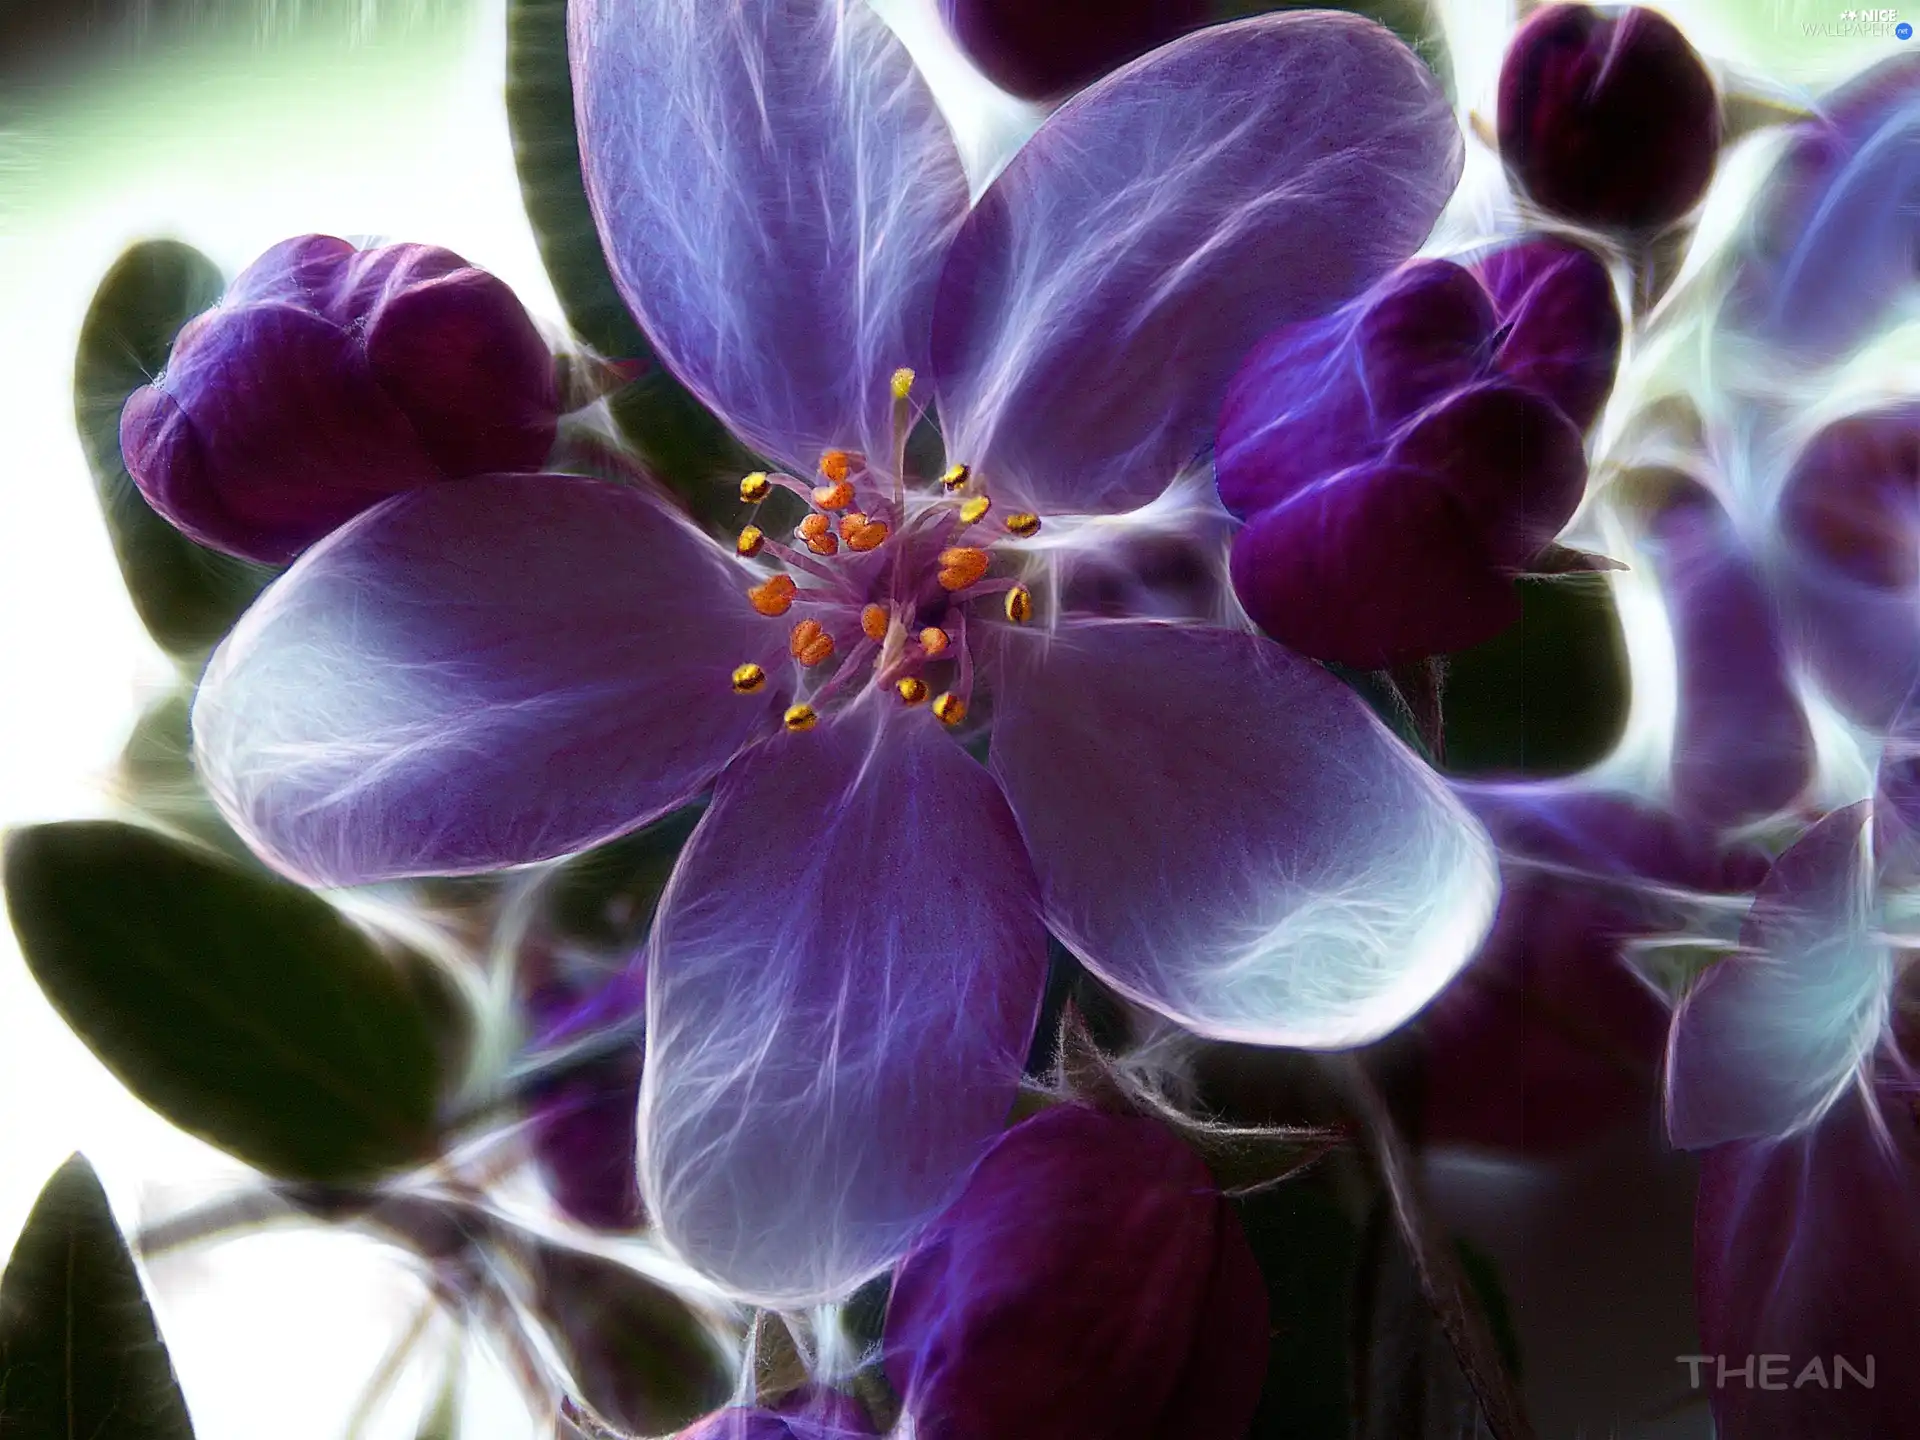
(328, 379)
(1609, 119)
(1090, 1283)
(1044, 49)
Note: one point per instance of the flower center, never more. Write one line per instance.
(882, 581)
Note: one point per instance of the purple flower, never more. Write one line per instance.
(1551, 1038)
(846, 966)
(1040, 51)
(1849, 564)
(328, 379)
(1401, 460)
(1609, 120)
(1090, 1283)
(812, 1414)
(1828, 257)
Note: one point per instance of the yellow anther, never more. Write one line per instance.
(975, 510)
(912, 689)
(751, 540)
(836, 496)
(799, 717)
(810, 643)
(836, 465)
(902, 383)
(934, 640)
(862, 533)
(748, 678)
(755, 487)
(820, 539)
(1019, 604)
(956, 476)
(773, 596)
(949, 707)
(1023, 523)
(873, 622)
(961, 566)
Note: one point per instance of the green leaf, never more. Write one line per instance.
(80, 1355)
(1547, 697)
(605, 897)
(641, 1357)
(1414, 21)
(239, 1006)
(678, 439)
(158, 778)
(187, 595)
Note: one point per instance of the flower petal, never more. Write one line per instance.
(1565, 331)
(1807, 1250)
(1896, 800)
(775, 190)
(1101, 294)
(482, 673)
(1771, 1037)
(845, 975)
(1225, 833)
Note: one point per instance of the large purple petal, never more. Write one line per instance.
(1562, 322)
(775, 191)
(1807, 1254)
(482, 673)
(1772, 1036)
(1225, 833)
(1742, 746)
(845, 974)
(1102, 293)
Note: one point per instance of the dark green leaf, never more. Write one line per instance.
(606, 896)
(680, 441)
(156, 771)
(1414, 21)
(240, 1007)
(640, 1355)
(187, 595)
(80, 1355)
(1549, 696)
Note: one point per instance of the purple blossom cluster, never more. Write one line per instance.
(1225, 408)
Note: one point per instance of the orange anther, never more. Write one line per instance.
(1023, 524)
(950, 708)
(873, 622)
(774, 595)
(836, 496)
(836, 465)
(820, 539)
(934, 640)
(752, 540)
(862, 533)
(961, 566)
(911, 689)
(810, 643)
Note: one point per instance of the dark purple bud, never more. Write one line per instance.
(1807, 1259)
(1550, 1039)
(1608, 119)
(1849, 517)
(1091, 1283)
(1400, 461)
(330, 378)
(1045, 49)
(1742, 746)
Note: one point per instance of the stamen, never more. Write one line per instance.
(755, 487)
(836, 465)
(911, 689)
(810, 643)
(961, 566)
(902, 383)
(933, 640)
(748, 678)
(975, 510)
(873, 622)
(752, 540)
(950, 708)
(800, 717)
(862, 532)
(837, 496)
(773, 597)
(956, 477)
(1024, 524)
(1019, 604)
(819, 538)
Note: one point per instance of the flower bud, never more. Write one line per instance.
(1044, 49)
(1609, 120)
(1090, 1283)
(1400, 461)
(328, 379)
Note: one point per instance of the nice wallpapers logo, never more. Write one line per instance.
(1772, 1372)
(1861, 24)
